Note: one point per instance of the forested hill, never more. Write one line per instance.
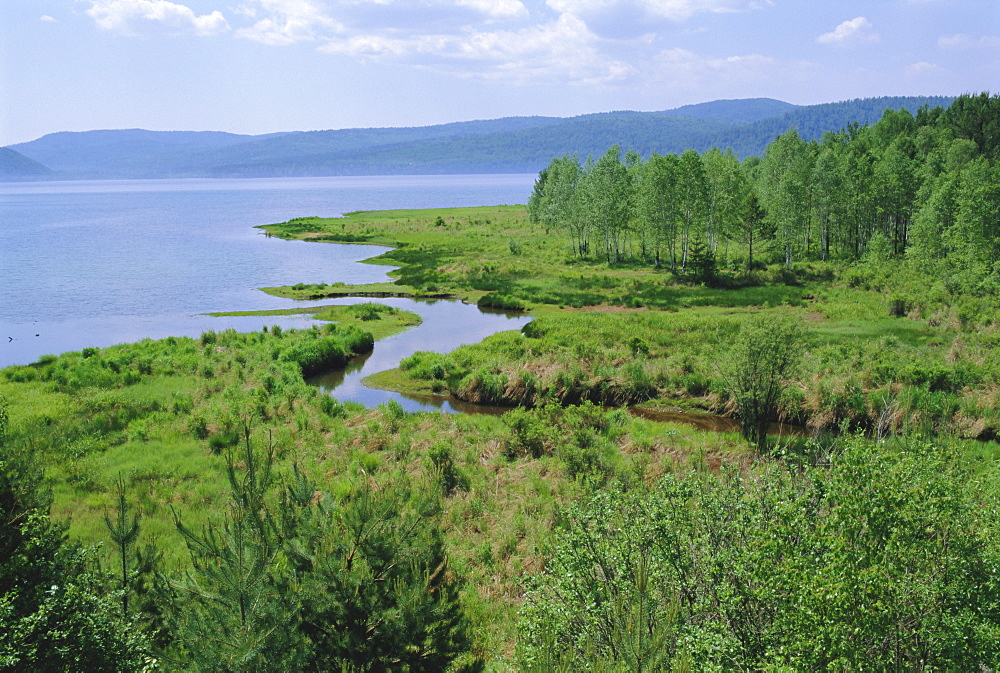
(16, 166)
(511, 144)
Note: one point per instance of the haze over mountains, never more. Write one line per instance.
(506, 145)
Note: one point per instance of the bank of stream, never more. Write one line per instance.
(448, 324)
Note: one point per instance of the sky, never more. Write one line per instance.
(260, 66)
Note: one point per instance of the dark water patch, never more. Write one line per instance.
(713, 422)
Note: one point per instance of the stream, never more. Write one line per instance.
(447, 324)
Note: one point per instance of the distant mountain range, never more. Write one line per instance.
(506, 145)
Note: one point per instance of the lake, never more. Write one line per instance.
(95, 263)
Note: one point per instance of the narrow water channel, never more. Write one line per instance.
(447, 324)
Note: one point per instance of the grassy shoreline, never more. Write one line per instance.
(164, 415)
(382, 321)
(861, 356)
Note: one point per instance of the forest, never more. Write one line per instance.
(752, 425)
(505, 145)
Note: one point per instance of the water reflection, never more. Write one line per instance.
(446, 325)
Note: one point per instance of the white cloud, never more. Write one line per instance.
(372, 25)
(562, 49)
(498, 9)
(631, 19)
(137, 16)
(288, 21)
(673, 10)
(858, 30)
(923, 69)
(966, 41)
(601, 43)
(683, 66)
(48, 19)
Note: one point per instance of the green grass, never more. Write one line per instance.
(861, 349)
(163, 414)
(380, 320)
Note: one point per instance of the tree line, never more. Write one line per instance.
(921, 186)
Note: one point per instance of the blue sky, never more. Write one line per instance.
(257, 66)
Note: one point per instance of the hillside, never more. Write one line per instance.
(510, 144)
(16, 166)
(813, 121)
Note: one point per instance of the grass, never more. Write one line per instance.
(380, 320)
(858, 355)
(156, 429)
(163, 414)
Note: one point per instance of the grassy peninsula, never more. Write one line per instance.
(845, 286)
(632, 334)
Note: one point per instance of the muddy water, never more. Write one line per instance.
(714, 423)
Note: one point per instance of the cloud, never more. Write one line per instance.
(857, 31)
(681, 69)
(132, 17)
(602, 43)
(923, 69)
(628, 19)
(373, 22)
(562, 49)
(966, 41)
(498, 9)
(673, 10)
(48, 19)
(288, 22)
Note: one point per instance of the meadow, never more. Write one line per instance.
(194, 504)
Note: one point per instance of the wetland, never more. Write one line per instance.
(284, 528)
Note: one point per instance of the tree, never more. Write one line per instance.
(692, 198)
(895, 192)
(304, 581)
(752, 226)
(701, 266)
(829, 204)
(881, 559)
(606, 198)
(56, 613)
(784, 185)
(124, 534)
(765, 355)
(976, 118)
(728, 190)
(657, 204)
(554, 202)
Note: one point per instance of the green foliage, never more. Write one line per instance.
(124, 532)
(312, 582)
(501, 301)
(878, 562)
(764, 356)
(581, 436)
(56, 611)
(877, 242)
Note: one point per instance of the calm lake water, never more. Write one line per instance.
(102, 262)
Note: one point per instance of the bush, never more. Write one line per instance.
(877, 562)
(766, 353)
(501, 301)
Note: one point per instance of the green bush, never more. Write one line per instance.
(501, 301)
(877, 562)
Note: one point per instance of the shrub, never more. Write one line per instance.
(877, 561)
(766, 352)
(501, 301)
